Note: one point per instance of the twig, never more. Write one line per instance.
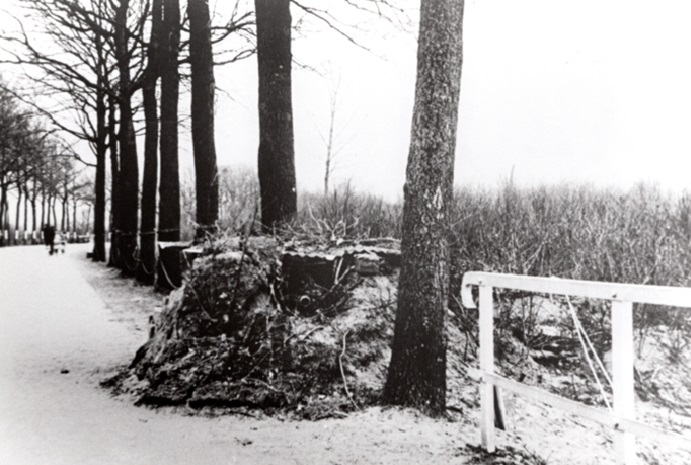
(201, 305)
(340, 365)
(302, 336)
(263, 383)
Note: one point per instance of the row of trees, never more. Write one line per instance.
(102, 60)
(100, 63)
(104, 64)
(38, 172)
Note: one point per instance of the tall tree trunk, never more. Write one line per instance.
(53, 210)
(3, 197)
(17, 224)
(34, 196)
(276, 159)
(25, 218)
(65, 221)
(33, 213)
(202, 112)
(115, 204)
(98, 253)
(88, 220)
(74, 215)
(147, 263)
(169, 189)
(417, 372)
(43, 206)
(129, 169)
(6, 218)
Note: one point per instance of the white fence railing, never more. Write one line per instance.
(622, 296)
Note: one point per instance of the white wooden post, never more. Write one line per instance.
(487, 366)
(622, 362)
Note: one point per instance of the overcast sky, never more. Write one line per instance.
(591, 91)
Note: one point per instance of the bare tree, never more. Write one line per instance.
(147, 242)
(73, 67)
(115, 203)
(329, 142)
(129, 166)
(174, 52)
(202, 113)
(276, 160)
(417, 372)
(22, 156)
(169, 189)
(333, 139)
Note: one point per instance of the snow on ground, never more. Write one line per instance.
(59, 338)
(66, 324)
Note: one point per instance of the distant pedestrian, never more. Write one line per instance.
(60, 242)
(49, 237)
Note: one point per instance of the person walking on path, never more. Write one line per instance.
(49, 237)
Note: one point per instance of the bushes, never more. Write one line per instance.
(346, 214)
(639, 236)
(575, 232)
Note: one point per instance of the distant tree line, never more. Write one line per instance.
(40, 181)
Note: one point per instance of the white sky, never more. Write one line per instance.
(594, 91)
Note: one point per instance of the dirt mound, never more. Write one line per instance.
(244, 331)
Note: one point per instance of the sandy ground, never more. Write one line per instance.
(66, 324)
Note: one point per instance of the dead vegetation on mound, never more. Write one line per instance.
(245, 331)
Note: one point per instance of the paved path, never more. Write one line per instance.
(58, 339)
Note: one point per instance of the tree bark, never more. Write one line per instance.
(147, 257)
(88, 220)
(25, 218)
(99, 251)
(33, 208)
(17, 211)
(276, 158)
(43, 206)
(74, 215)
(202, 112)
(53, 210)
(64, 219)
(115, 204)
(417, 372)
(169, 189)
(129, 169)
(3, 196)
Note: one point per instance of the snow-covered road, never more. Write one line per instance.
(58, 339)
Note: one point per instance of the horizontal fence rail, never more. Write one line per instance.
(622, 296)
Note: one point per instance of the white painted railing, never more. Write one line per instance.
(622, 296)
